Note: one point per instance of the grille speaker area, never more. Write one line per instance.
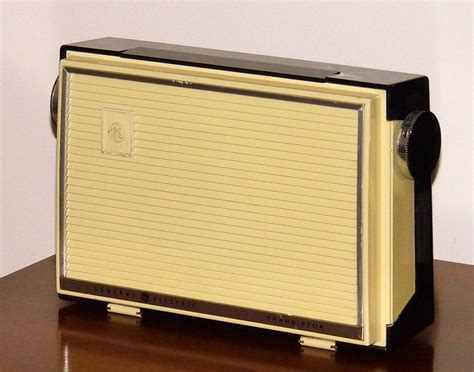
(242, 200)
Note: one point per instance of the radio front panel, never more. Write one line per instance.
(223, 198)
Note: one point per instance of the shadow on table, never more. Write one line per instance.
(91, 339)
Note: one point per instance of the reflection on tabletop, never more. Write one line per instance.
(88, 336)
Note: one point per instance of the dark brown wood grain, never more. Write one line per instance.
(39, 332)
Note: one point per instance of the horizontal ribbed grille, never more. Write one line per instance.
(239, 200)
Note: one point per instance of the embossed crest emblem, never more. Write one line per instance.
(117, 132)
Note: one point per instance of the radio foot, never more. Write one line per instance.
(124, 310)
(318, 343)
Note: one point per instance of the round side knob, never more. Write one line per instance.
(53, 106)
(419, 144)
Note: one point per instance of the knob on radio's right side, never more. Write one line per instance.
(419, 144)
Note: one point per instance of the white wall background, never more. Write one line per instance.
(421, 37)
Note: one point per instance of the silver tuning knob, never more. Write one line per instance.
(53, 106)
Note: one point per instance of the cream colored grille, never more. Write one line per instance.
(246, 201)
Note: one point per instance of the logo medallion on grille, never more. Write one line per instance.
(117, 132)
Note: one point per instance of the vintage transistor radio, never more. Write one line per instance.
(276, 193)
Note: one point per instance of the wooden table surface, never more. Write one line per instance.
(39, 332)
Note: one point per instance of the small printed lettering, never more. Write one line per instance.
(166, 301)
(294, 322)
